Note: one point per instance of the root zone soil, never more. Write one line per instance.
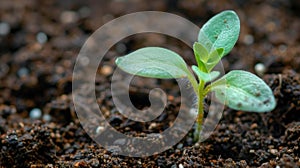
(36, 72)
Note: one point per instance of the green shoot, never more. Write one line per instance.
(240, 90)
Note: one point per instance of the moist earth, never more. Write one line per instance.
(39, 43)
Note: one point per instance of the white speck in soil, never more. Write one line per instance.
(35, 113)
(23, 72)
(260, 69)
(47, 117)
(99, 129)
(179, 146)
(248, 39)
(174, 166)
(41, 38)
(180, 166)
(68, 17)
(152, 126)
(4, 28)
(274, 151)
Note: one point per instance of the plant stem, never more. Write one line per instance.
(200, 109)
(194, 82)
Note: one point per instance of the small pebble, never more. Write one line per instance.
(41, 38)
(274, 151)
(152, 126)
(23, 72)
(179, 146)
(253, 126)
(260, 69)
(35, 113)
(197, 145)
(248, 39)
(99, 129)
(180, 166)
(106, 70)
(4, 28)
(80, 164)
(47, 117)
(174, 166)
(68, 17)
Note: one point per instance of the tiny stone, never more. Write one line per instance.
(152, 126)
(253, 126)
(106, 70)
(47, 117)
(248, 39)
(180, 166)
(197, 145)
(4, 28)
(49, 166)
(260, 69)
(105, 156)
(35, 113)
(274, 151)
(174, 166)
(68, 17)
(252, 151)
(41, 38)
(23, 72)
(179, 146)
(99, 129)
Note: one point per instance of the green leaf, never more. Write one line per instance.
(214, 58)
(200, 52)
(206, 77)
(241, 90)
(154, 62)
(221, 31)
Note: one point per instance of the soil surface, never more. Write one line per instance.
(39, 43)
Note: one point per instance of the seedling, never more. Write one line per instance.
(240, 90)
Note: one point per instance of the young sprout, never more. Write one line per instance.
(240, 90)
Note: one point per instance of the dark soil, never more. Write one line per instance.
(37, 73)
